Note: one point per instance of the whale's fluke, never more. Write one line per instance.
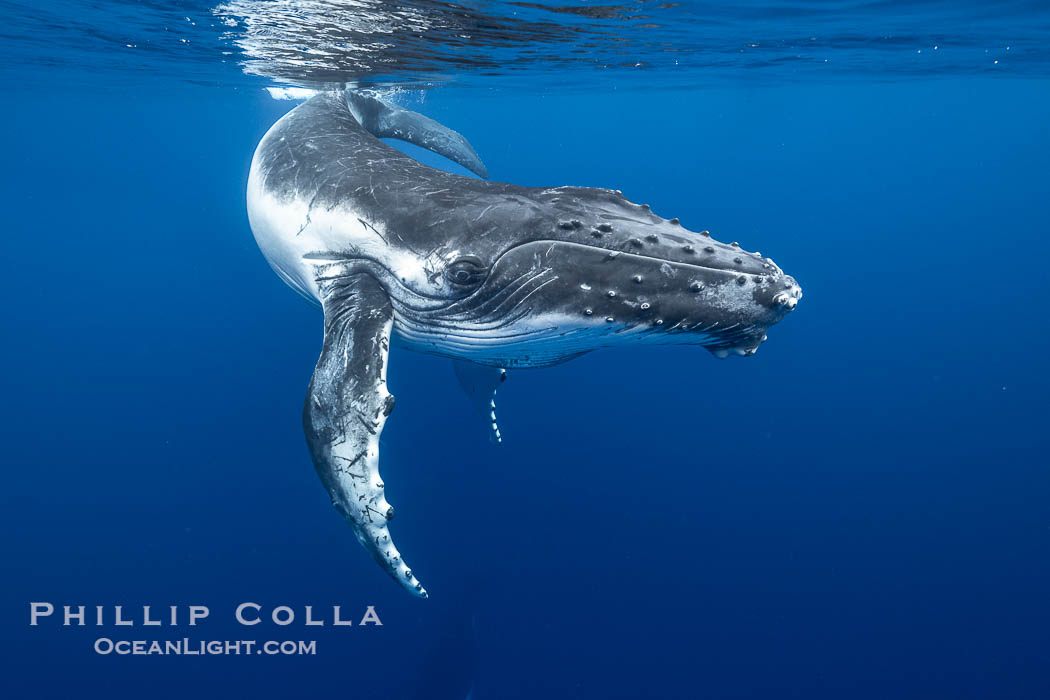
(346, 407)
(385, 120)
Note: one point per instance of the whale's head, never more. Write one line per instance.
(545, 275)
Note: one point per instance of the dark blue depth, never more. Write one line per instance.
(858, 511)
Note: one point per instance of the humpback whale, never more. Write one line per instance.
(493, 275)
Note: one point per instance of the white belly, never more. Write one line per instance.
(279, 231)
(288, 229)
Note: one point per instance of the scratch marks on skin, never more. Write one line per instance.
(373, 229)
(368, 511)
(310, 208)
(483, 212)
(432, 271)
(347, 468)
(305, 223)
(370, 426)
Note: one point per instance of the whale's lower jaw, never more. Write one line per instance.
(555, 338)
(549, 342)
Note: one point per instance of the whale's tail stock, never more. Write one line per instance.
(383, 119)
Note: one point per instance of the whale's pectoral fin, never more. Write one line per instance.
(385, 120)
(480, 383)
(346, 407)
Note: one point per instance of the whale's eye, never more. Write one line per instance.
(467, 271)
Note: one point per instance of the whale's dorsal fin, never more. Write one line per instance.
(385, 120)
(480, 384)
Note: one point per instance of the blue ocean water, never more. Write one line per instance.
(858, 511)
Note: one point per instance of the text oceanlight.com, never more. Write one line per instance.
(188, 647)
(150, 618)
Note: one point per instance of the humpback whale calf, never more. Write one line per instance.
(490, 274)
